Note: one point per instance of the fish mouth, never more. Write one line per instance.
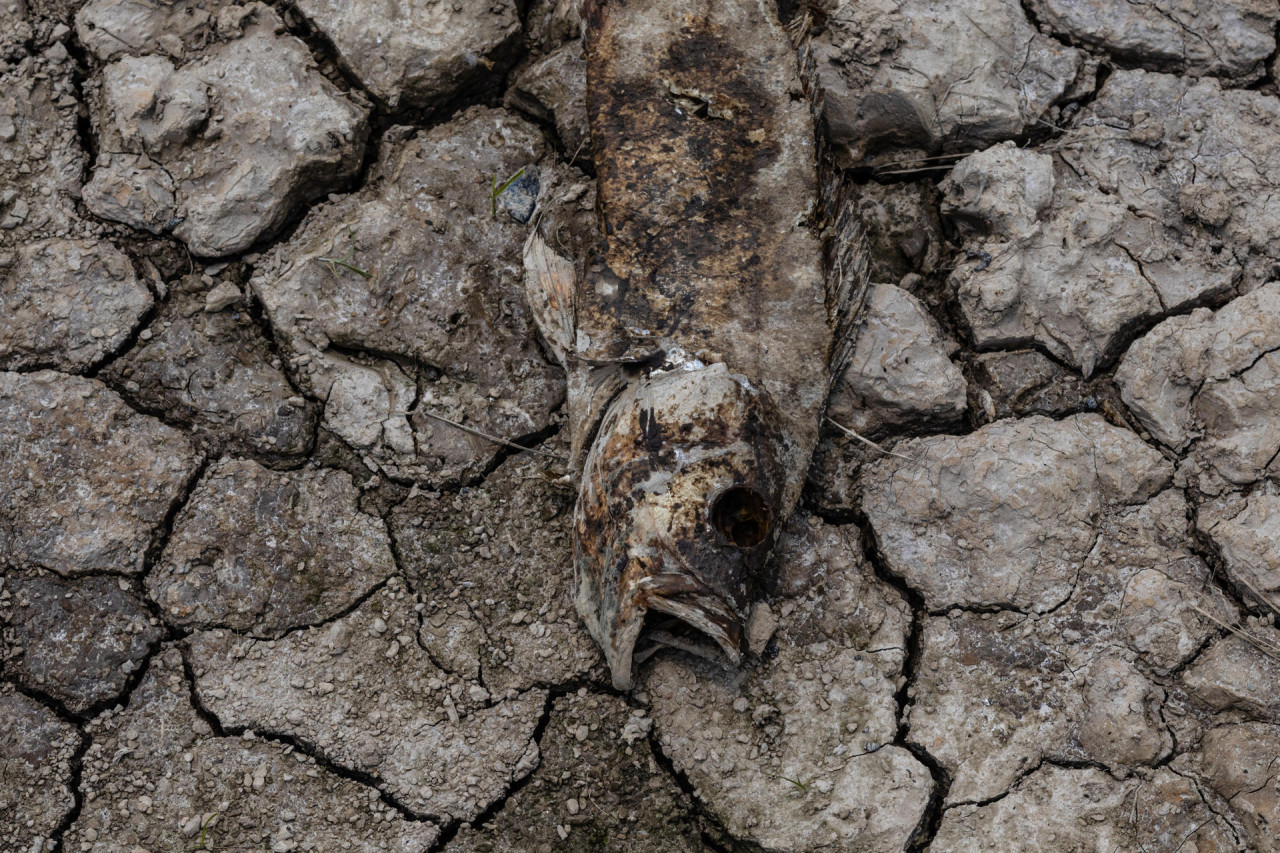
(670, 610)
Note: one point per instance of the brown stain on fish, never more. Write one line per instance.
(702, 334)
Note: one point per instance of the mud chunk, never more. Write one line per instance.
(423, 266)
(605, 790)
(419, 55)
(1054, 677)
(41, 159)
(366, 694)
(937, 75)
(554, 88)
(984, 710)
(551, 22)
(1021, 383)
(89, 480)
(794, 754)
(36, 749)
(156, 777)
(1246, 531)
(79, 641)
(135, 190)
(1162, 145)
(1064, 265)
(1235, 673)
(1212, 376)
(265, 551)
(247, 132)
(1233, 40)
(903, 229)
(109, 28)
(1240, 763)
(215, 372)
(15, 29)
(494, 565)
(68, 303)
(959, 521)
(900, 373)
(1059, 808)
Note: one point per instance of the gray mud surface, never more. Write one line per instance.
(265, 585)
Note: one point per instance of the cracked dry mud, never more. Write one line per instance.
(265, 584)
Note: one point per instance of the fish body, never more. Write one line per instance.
(702, 335)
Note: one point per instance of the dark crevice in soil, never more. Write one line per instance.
(77, 795)
(322, 48)
(131, 340)
(925, 831)
(450, 831)
(1267, 82)
(299, 745)
(714, 833)
(81, 65)
(352, 607)
(160, 535)
(1220, 808)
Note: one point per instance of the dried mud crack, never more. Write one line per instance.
(256, 589)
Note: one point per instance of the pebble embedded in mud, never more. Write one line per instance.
(157, 776)
(67, 304)
(89, 481)
(242, 134)
(370, 698)
(77, 642)
(265, 551)
(422, 313)
(215, 372)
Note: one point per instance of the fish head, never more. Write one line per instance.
(677, 514)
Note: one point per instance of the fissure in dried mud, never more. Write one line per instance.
(259, 592)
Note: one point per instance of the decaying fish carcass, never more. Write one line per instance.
(702, 336)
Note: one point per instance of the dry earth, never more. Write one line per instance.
(260, 593)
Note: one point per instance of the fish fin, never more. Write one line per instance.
(551, 284)
(848, 272)
(591, 389)
(846, 253)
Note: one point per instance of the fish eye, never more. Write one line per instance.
(741, 516)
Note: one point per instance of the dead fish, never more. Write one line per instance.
(702, 336)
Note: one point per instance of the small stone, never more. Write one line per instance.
(760, 627)
(223, 296)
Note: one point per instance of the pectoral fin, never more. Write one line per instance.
(551, 283)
